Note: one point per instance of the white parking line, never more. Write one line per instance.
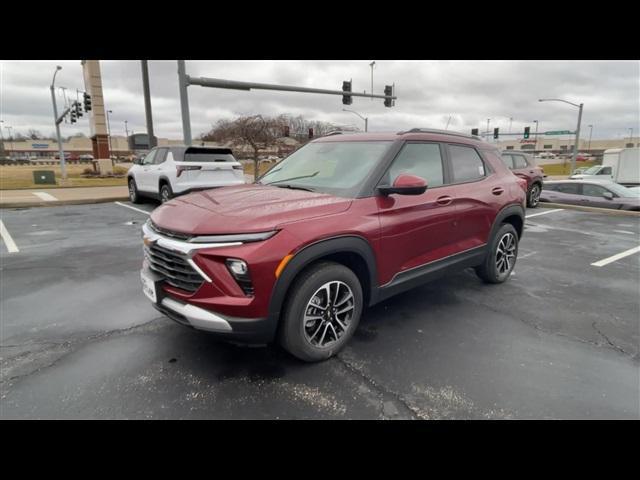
(544, 213)
(8, 241)
(132, 208)
(45, 196)
(624, 231)
(606, 261)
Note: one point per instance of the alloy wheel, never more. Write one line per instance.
(534, 197)
(328, 314)
(164, 194)
(132, 190)
(506, 254)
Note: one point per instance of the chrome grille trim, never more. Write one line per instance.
(174, 268)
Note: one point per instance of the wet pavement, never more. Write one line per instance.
(559, 340)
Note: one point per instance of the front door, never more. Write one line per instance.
(416, 229)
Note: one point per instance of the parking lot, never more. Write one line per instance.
(559, 340)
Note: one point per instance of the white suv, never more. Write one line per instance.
(169, 171)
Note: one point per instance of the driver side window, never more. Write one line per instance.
(148, 160)
(420, 159)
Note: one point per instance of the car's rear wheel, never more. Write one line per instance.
(533, 196)
(166, 193)
(134, 196)
(502, 256)
(322, 312)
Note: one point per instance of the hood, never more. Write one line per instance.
(244, 209)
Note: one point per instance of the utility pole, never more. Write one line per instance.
(577, 141)
(147, 102)
(372, 65)
(488, 121)
(510, 123)
(535, 136)
(184, 102)
(631, 135)
(63, 168)
(109, 131)
(590, 132)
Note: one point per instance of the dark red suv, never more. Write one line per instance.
(524, 166)
(343, 223)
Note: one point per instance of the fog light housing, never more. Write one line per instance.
(240, 271)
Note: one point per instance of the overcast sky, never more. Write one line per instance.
(428, 93)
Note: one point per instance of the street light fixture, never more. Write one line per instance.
(55, 119)
(366, 120)
(575, 147)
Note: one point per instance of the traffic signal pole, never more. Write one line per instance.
(185, 80)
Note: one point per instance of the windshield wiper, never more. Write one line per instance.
(293, 178)
(293, 187)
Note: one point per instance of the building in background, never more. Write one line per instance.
(564, 145)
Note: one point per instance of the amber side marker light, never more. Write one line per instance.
(282, 264)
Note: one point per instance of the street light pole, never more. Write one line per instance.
(1, 139)
(109, 131)
(590, 132)
(63, 168)
(371, 65)
(366, 120)
(510, 123)
(488, 120)
(10, 138)
(631, 135)
(577, 141)
(535, 136)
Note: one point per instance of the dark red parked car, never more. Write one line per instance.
(343, 223)
(524, 166)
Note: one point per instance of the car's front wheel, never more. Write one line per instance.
(502, 255)
(322, 312)
(533, 196)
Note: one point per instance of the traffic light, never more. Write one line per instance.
(496, 132)
(87, 101)
(286, 130)
(72, 115)
(346, 99)
(311, 133)
(388, 91)
(474, 131)
(526, 132)
(78, 109)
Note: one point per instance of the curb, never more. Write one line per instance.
(605, 211)
(59, 203)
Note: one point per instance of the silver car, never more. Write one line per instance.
(591, 193)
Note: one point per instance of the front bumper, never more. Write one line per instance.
(250, 330)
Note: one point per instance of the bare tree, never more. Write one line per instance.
(258, 132)
(34, 134)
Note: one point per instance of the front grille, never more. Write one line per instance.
(173, 267)
(169, 233)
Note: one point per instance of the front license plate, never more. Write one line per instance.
(149, 287)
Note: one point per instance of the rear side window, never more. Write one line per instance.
(519, 161)
(507, 160)
(421, 159)
(160, 156)
(568, 188)
(466, 164)
(593, 190)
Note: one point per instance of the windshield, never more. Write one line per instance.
(622, 191)
(338, 168)
(593, 170)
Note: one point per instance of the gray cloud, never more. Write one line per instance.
(428, 93)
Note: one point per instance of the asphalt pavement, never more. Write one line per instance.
(559, 340)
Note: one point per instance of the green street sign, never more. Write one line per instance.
(559, 132)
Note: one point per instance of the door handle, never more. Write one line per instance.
(444, 200)
(497, 191)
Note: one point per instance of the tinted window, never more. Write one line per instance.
(466, 164)
(551, 187)
(421, 159)
(605, 171)
(567, 188)
(507, 160)
(593, 190)
(519, 161)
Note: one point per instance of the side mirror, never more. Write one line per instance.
(405, 184)
(608, 195)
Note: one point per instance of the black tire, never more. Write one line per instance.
(533, 195)
(308, 286)
(134, 196)
(489, 271)
(166, 193)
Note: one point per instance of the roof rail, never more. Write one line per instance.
(337, 132)
(445, 132)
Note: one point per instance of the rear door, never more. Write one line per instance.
(522, 169)
(593, 196)
(416, 229)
